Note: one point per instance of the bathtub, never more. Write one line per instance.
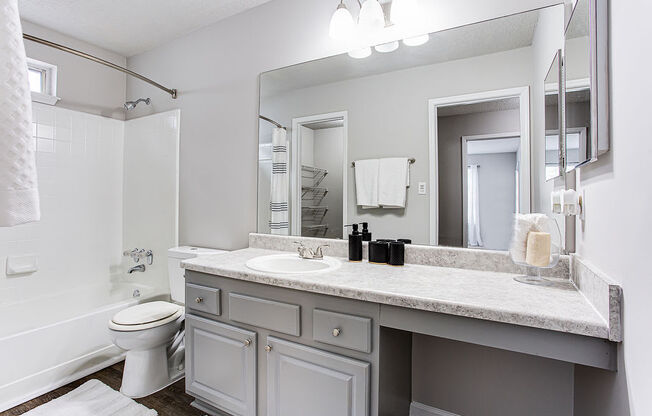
(53, 340)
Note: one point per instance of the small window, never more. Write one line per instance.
(42, 81)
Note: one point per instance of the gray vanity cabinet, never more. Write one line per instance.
(221, 365)
(302, 380)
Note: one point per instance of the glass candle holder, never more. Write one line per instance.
(533, 275)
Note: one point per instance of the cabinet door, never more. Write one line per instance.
(306, 381)
(221, 365)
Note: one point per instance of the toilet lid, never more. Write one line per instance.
(145, 313)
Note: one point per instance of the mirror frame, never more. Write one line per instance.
(598, 79)
(561, 114)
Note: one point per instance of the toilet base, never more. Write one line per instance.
(147, 371)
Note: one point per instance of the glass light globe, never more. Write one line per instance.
(404, 12)
(417, 40)
(371, 18)
(342, 25)
(387, 47)
(360, 53)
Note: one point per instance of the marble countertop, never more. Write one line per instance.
(492, 296)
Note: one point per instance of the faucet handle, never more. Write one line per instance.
(318, 251)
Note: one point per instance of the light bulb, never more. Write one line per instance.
(371, 18)
(387, 47)
(416, 40)
(360, 53)
(342, 25)
(404, 12)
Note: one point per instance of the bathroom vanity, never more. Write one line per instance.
(340, 342)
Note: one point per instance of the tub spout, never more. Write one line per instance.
(138, 268)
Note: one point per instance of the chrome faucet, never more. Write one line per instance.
(308, 253)
(137, 268)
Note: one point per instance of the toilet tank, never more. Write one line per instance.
(175, 273)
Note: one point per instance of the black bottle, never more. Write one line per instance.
(366, 235)
(396, 253)
(355, 244)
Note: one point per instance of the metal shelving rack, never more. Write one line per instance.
(312, 195)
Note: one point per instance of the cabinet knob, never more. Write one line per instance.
(247, 342)
(268, 348)
(337, 332)
(199, 300)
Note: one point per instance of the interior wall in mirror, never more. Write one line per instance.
(380, 112)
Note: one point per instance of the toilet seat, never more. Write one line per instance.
(145, 316)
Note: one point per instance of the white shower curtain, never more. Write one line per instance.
(19, 200)
(473, 208)
(278, 202)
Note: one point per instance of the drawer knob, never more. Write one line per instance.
(199, 300)
(268, 348)
(247, 342)
(337, 332)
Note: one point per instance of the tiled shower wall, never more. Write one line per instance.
(79, 238)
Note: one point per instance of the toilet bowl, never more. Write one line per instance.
(152, 333)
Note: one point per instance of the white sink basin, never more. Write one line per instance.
(292, 264)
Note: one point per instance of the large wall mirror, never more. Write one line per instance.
(432, 143)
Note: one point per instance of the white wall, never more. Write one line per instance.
(79, 238)
(614, 236)
(216, 72)
(151, 175)
(329, 149)
(82, 85)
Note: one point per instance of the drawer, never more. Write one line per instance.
(348, 331)
(203, 299)
(264, 313)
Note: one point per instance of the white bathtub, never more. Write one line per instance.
(48, 342)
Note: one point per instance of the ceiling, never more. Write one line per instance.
(480, 107)
(129, 27)
(502, 34)
(483, 147)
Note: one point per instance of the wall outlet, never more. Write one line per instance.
(422, 188)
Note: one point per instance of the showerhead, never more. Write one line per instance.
(130, 105)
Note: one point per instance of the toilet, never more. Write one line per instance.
(152, 333)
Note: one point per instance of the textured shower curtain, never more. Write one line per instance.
(278, 204)
(19, 200)
(473, 209)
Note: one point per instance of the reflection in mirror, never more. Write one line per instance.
(552, 89)
(462, 99)
(580, 148)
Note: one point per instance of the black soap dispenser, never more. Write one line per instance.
(366, 235)
(355, 244)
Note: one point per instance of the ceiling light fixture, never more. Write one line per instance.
(416, 40)
(404, 12)
(360, 53)
(342, 26)
(371, 19)
(387, 47)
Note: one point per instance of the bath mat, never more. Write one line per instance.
(92, 398)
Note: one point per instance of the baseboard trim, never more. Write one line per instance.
(52, 378)
(420, 409)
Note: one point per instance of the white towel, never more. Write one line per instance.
(19, 201)
(366, 183)
(393, 180)
(523, 224)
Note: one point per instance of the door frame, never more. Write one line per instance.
(465, 179)
(295, 152)
(523, 94)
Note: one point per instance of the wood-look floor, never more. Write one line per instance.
(171, 401)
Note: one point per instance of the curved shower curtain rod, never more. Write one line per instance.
(171, 91)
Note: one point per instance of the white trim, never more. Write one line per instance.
(466, 139)
(59, 375)
(44, 98)
(295, 146)
(420, 409)
(523, 93)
